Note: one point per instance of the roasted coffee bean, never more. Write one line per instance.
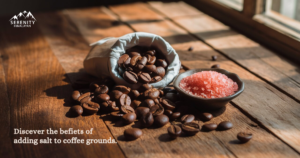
(80, 84)
(115, 95)
(161, 120)
(76, 110)
(172, 96)
(135, 103)
(144, 77)
(141, 111)
(90, 107)
(85, 100)
(132, 133)
(134, 60)
(209, 127)
(101, 89)
(225, 125)
(127, 109)
(122, 89)
(129, 118)
(105, 103)
(214, 58)
(130, 77)
(150, 59)
(162, 63)
(157, 109)
(134, 94)
(124, 100)
(147, 119)
(141, 63)
(131, 54)
(102, 98)
(122, 59)
(113, 106)
(191, 49)
(116, 115)
(150, 68)
(175, 115)
(190, 128)
(174, 131)
(217, 66)
(151, 52)
(205, 116)
(151, 93)
(168, 104)
(148, 103)
(126, 63)
(145, 87)
(155, 79)
(160, 71)
(244, 137)
(82, 96)
(187, 118)
(75, 95)
(94, 85)
(168, 113)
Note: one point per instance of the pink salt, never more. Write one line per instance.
(208, 84)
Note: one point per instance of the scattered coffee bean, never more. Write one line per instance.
(191, 49)
(135, 103)
(132, 133)
(113, 106)
(151, 93)
(115, 95)
(216, 66)
(187, 118)
(141, 111)
(131, 54)
(145, 87)
(134, 94)
(144, 77)
(168, 113)
(102, 89)
(225, 125)
(174, 131)
(130, 77)
(129, 118)
(102, 98)
(76, 109)
(127, 109)
(90, 107)
(147, 119)
(148, 103)
(214, 58)
(141, 63)
(124, 100)
(134, 60)
(175, 116)
(85, 100)
(160, 71)
(155, 79)
(150, 68)
(122, 59)
(75, 95)
(87, 94)
(205, 116)
(161, 120)
(157, 109)
(116, 115)
(162, 63)
(168, 104)
(150, 59)
(244, 137)
(209, 127)
(151, 52)
(190, 128)
(122, 89)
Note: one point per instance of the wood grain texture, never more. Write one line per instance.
(38, 92)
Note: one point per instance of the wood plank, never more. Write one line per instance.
(38, 93)
(256, 58)
(200, 58)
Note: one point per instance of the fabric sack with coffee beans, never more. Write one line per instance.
(103, 57)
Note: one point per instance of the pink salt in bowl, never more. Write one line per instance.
(208, 103)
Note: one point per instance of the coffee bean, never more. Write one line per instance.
(116, 115)
(209, 127)
(127, 109)
(105, 104)
(115, 95)
(225, 125)
(126, 63)
(217, 66)
(130, 77)
(144, 77)
(205, 116)
(101, 89)
(190, 128)
(161, 120)
(151, 93)
(151, 52)
(134, 60)
(214, 58)
(122, 89)
(160, 71)
(131, 54)
(90, 107)
(175, 115)
(148, 103)
(172, 96)
(244, 137)
(76, 110)
(157, 109)
(113, 106)
(132, 133)
(82, 96)
(147, 119)
(102, 98)
(129, 118)
(191, 49)
(141, 111)
(94, 85)
(150, 68)
(134, 94)
(162, 63)
(75, 95)
(135, 103)
(155, 79)
(122, 59)
(168, 113)
(145, 87)
(85, 100)
(80, 84)
(150, 59)
(187, 118)
(168, 104)
(174, 131)
(124, 100)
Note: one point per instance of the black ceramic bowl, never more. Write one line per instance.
(204, 103)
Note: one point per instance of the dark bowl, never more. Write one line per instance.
(204, 103)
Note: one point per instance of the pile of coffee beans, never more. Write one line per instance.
(144, 65)
(148, 105)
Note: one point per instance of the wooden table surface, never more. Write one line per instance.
(38, 65)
